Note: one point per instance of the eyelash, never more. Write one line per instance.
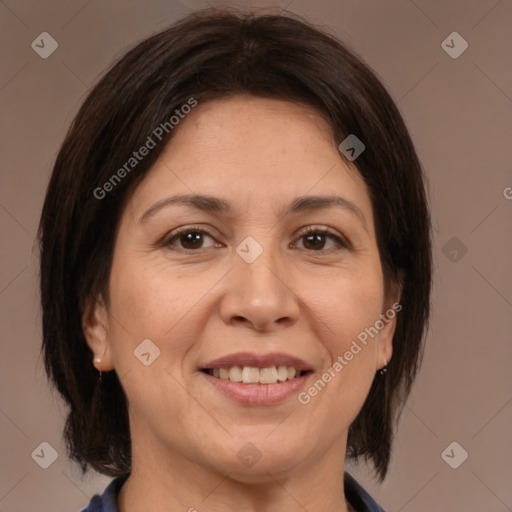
(342, 243)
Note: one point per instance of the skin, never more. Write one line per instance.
(303, 299)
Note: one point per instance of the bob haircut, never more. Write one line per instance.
(209, 54)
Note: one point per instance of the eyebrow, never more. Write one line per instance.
(212, 204)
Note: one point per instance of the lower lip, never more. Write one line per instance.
(258, 394)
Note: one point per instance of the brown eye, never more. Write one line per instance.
(189, 239)
(315, 240)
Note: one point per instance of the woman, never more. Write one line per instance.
(235, 270)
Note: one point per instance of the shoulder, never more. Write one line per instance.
(358, 498)
(107, 501)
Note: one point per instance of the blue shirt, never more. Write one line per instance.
(358, 498)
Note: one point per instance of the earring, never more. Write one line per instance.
(98, 360)
(384, 369)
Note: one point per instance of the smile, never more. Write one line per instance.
(256, 393)
(255, 375)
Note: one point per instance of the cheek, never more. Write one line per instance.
(147, 303)
(346, 309)
(347, 305)
(150, 300)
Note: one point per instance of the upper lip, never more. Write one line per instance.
(258, 361)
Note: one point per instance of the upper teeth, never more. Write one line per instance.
(253, 375)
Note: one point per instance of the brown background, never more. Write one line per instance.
(459, 112)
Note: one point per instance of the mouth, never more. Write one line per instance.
(252, 393)
(254, 375)
(257, 380)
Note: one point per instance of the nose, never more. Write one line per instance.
(260, 294)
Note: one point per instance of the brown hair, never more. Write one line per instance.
(207, 55)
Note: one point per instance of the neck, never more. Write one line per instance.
(176, 483)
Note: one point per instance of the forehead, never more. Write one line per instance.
(235, 128)
(254, 151)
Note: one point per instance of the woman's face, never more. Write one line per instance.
(244, 285)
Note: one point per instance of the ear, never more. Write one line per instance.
(390, 310)
(95, 329)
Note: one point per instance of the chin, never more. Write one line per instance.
(265, 470)
(254, 461)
